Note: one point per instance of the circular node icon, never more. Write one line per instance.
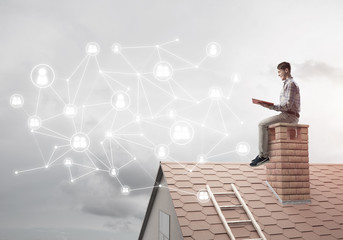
(215, 93)
(163, 71)
(116, 48)
(203, 196)
(68, 162)
(42, 76)
(113, 172)
(162, 151)
(120, 101)
(125, 190)
(213, 49)
(109, 134)
(92, 49)
(242, 148)
(235, 77)
(34, 122)
(79, 142)
(17, 101)
(70, 110)
(201, 158)
(181, 132)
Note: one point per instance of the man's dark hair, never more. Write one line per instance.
(284, 65)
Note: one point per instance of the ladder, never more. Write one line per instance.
(241, 205)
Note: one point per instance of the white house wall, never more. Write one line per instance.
(162, 202)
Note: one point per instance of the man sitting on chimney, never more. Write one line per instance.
(289, 107)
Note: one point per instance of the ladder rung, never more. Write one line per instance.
(231, 206)
(239, 221)
(223, 193)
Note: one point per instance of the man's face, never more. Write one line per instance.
(283, 74)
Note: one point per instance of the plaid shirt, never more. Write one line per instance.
(289, 97)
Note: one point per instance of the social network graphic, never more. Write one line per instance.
(107, 117)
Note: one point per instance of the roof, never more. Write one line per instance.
(321, 219)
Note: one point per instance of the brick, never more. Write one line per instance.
(287, 171)
(284, 197)
(288, 178)
(281, 136)
(299, 184)
(299, 197)
(280, 184)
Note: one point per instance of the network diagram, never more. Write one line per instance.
(137, 108)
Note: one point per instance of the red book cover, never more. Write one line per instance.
(257, 101)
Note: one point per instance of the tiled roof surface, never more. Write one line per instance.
(322, 219)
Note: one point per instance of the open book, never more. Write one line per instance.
(257, 101)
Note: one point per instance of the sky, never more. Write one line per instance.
(254, 36)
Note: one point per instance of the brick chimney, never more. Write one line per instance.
(288, 169)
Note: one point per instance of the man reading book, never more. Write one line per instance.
(289, 107)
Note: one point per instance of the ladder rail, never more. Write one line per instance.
(251, 217)
(221, 216)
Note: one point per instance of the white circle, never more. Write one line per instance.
(201, 158)
(70, 110)
(92, 49)
(242, 148)
(68, 162)
(17, 101)
(116, 48)
(163, 71)
(120, 100)
(203, 196)
(125, 190)
(42, 76)
(79, 142)
(34, 122)
(113, 172)
(181, 132)
(215, 93)
(213, 49)
(162, 151)
(236, 77)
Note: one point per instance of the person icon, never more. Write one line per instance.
(83, 142)
(70, 111)
(113, 172)
(16, 101)
(68, 162)
(213, 50)
(34, 122)
(162, 152)
(185, 133)
(160, 71)
(120, 101)
(203, 196)
(79, 142)
(163, 71)
(76, 142)
(42, 78)
(242, 148)
(166, 71)
(92, 49)
(125, 190)
(177, 133)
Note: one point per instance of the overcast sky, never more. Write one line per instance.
(254, 37)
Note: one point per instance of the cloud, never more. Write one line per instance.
(311, 70)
